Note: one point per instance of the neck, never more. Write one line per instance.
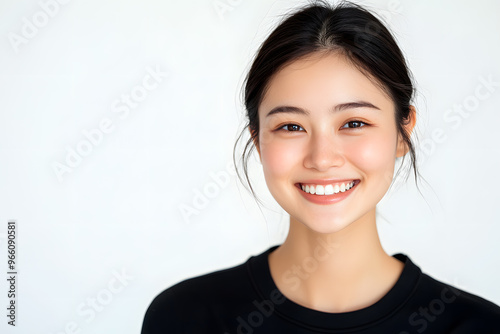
(342, 271)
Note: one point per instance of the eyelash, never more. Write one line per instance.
(356, 121)
(281, 128)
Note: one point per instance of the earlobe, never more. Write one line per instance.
(409, 125)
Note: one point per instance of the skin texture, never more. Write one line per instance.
(332, 259)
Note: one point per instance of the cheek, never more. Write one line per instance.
(279, 158)
(374, 154)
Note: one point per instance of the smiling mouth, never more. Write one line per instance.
(328, 189)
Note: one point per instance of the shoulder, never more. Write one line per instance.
(468, 311)
(191, 301)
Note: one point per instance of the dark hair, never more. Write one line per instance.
(346, 28)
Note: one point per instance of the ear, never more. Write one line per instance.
(402, 148)
(255, 139)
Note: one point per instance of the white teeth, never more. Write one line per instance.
(328, 189)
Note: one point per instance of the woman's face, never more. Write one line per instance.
(325, 126)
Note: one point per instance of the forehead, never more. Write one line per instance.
(320, 81)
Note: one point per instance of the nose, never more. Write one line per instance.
(324, 152)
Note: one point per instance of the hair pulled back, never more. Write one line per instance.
(345, 28)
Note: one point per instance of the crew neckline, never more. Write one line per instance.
(389, 304)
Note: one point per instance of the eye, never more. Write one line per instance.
(291, 127)
(354, 124)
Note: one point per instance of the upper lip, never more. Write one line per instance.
(326, 182)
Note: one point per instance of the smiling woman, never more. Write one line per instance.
(348, 136)
(328, 100)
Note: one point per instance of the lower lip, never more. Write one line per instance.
(327, 199)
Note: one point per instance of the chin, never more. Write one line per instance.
(326, 226)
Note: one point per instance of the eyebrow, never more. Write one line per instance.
(338, 107)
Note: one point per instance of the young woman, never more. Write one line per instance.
(328, 101)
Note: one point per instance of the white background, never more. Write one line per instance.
(119, 209)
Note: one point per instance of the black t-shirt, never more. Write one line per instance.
(245, 300)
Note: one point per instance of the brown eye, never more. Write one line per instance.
(354, 124)
(291, 127)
